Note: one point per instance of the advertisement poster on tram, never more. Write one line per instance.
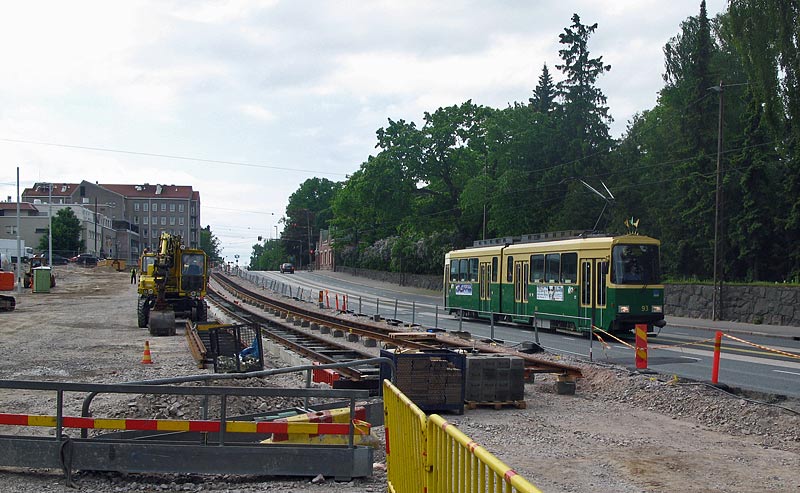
(550, 293)
(463, 289)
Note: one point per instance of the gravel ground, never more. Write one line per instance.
(621, 432)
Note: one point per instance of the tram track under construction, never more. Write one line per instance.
(301, 318)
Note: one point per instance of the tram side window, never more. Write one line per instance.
(463, 269)
(473, 270)
(454, 271)
(569, 268)
(510, 269)
(537, 268)
(552, 265)
(494, 269)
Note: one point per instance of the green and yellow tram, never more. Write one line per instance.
(559, 281)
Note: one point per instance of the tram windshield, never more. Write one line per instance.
(635, 264)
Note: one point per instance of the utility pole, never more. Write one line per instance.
(95, 227)
(19, 242)
(716, 299)
(50, 225)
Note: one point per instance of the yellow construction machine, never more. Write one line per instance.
(172, 284)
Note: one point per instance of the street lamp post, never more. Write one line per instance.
(50, 225)
(716, 297)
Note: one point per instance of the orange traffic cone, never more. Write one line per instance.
(146, 360)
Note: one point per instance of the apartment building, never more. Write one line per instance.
(136, 214)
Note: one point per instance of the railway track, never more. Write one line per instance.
(308, 345)
(250, 294)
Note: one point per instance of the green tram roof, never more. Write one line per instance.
(561, 242)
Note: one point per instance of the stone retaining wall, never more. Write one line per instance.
(771, 305)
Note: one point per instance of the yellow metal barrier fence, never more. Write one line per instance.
(405, 425)
(428, 454)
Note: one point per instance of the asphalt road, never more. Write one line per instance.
(683, 348)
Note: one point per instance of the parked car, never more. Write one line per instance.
(85, 259)
(287, 268)
(58, 259)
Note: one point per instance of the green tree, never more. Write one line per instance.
(454, 151)
(544, 95)
(689, 226)
(267, 256)
(753, 246)
(586, 117)
(766, 33)
(66, 235)
(583, 128)
(209, 243)
(308, 211)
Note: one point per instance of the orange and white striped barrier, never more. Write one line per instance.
(337, 416)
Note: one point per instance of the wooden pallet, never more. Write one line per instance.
(496, 404)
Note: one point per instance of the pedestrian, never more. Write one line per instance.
(133, 275)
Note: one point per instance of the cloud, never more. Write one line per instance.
(257, 112)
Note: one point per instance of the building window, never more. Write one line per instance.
(192, 210)
(172, 221)
(172, 207)
(145, 206)
(144, 233)
(163, 220)
(154, 220)
(155, 233)
(145, 219)
(180, 207)
(136, 206)
(180, 221)
(135, 219)
(163, 207)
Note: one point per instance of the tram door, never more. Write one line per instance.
(521, 273)
(593, 291)
(485, 295)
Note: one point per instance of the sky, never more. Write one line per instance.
(244, 100)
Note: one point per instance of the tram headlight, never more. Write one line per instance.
(624, 309)
(657, 309)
